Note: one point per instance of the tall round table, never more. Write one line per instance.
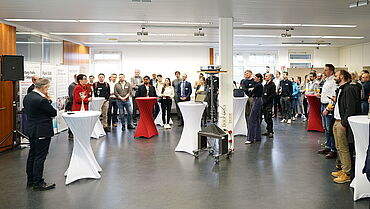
(95, 105)
(83, 163)
(240, 124)
(192, 114)
(146, 127)
(360, 129)
(314, 117)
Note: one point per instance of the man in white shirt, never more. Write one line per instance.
(328, 91)
(347, 104)
(112, 117)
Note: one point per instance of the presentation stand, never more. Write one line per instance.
(212, 131)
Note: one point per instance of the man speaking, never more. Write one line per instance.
(39, 129)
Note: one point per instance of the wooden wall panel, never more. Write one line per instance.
(75, 54)
(7, 47)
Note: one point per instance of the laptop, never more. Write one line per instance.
(201, 96)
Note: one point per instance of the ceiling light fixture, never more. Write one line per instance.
(299, 25)
(110, 21)
(358, 3)
(77, 34)
(303, 36)
(40, 20)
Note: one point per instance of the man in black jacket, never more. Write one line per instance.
(286, 91)
(102, 89)
(269, 92)
(348, 104)
(147, 90)
(39, 129)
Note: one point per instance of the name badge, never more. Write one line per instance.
(286, 84)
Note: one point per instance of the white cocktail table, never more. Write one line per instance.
(360, 128)
(192, 114)
(83, 163)
(240, 124)
(95, 105)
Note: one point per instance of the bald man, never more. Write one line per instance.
(34, 79)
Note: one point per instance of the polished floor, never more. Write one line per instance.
(281, 173)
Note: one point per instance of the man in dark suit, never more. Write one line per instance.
(183, 93)
(34, 79)
(39, 129)
(147, 90)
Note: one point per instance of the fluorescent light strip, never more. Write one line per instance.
(110, 21)
(121, 34)
(309, 37)
(38, 42)
(148, 43)
(40, 20)
(299, 25)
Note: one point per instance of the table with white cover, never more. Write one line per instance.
(360, 127)
(83, 163)
(240, 124)
(95, 105)
(192, 114)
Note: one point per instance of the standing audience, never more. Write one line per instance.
(269, 93)
(123, 91)
(102, 89)
(286, 91)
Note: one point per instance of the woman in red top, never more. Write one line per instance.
(80, 89)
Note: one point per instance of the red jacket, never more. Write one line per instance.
(77, 101)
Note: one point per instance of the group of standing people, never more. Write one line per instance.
(341, 94)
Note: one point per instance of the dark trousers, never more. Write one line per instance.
(267, 112)
(254, 122)
(327, 124)
(305, 107)
(178, 112)
(286, 107)
(112, 111)
(166, 110)
(39, 149)
(156, 110)
(277, 105)
(134, 110)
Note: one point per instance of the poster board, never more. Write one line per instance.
(49, 72)
(30, 69)
(62, 95)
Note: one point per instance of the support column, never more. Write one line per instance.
(226, 79)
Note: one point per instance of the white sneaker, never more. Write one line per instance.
(293, 118)
(283, 121)
(304, 118)
(248, 142)
(289, 121)
(296, 115)
(167, 126)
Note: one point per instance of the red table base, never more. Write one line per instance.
(314, 117)
(146, 127)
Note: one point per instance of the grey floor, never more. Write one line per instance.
(137, 173)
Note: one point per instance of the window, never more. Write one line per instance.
(107, 63)
(300, 59)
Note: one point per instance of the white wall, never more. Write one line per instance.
(166, 60)
(355, 57)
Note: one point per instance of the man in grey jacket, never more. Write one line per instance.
(123, 91)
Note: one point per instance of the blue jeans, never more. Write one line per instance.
(364, 107)
(294, 106)
(327, 122)
(125, 105)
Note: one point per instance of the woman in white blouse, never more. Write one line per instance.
(166, 95)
